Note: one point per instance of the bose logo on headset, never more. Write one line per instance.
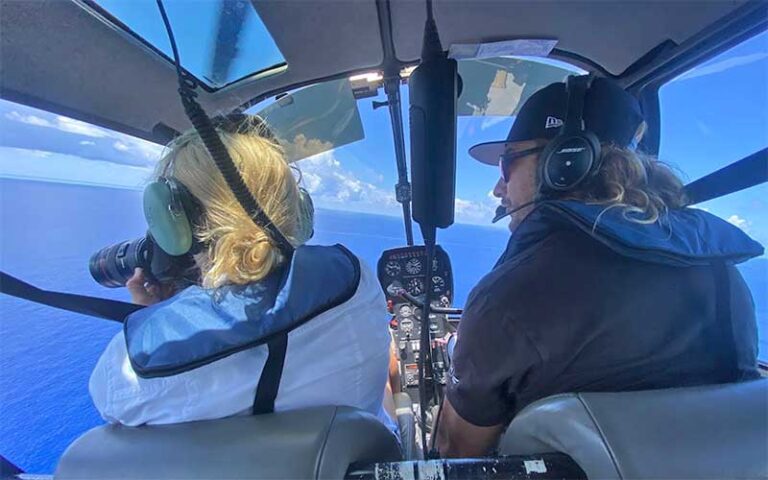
(571, 150)
(574, 154)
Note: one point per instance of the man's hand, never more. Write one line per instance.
(144, 292)
(457, 437)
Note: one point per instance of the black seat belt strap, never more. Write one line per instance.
(724, 323)
(269, 383)
(95, 307)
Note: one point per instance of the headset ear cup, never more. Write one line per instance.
(306, 223)
(569, 160)
(166, 218)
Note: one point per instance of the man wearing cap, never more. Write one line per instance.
(607, 282)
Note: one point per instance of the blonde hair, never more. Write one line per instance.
(238, 250)
(642, 186)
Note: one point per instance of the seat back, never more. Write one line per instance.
(718, 431)
(311, 443)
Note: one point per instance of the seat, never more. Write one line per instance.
(406, 424)
(718, 431)
(312, 443)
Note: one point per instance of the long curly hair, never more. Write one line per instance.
(641, 185)
(238, 250)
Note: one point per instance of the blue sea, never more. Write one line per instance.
(49, 231)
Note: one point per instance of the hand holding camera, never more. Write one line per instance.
(148, 292)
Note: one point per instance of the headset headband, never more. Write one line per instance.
(574, 154)
(576, 87)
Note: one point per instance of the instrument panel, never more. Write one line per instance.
(406, 268)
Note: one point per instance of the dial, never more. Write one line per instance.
(413, 266)
(406, 326)
(392, 268)
(406, 311)
(415, 286)
(438, 284)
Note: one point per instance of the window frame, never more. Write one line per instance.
(651, 104)
(93, 8)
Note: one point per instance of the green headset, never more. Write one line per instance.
(171, 211)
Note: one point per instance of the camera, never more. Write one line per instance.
(112, 266)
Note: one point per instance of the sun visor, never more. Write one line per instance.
(315, 119)
(499, 86)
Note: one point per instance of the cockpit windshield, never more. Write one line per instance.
(69, 188)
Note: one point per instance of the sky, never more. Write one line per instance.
(712, 115)
(195, 27)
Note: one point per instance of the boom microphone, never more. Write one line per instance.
(501, 210)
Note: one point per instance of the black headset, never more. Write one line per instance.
(574, 154)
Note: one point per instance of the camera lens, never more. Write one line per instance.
(112, 266)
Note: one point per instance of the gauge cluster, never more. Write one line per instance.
(406, 329)
(405, 268)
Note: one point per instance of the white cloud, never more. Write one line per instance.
(468, 211)
(39, 153)
(722, 66)
(58, 122)
(489, 122)
(303, 148)
(56, 167)
(333, 186)
(148, 152)
(740, 222)
(28, 119)
(80, 128)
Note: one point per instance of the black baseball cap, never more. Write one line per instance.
(609, 112)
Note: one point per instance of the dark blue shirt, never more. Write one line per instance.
(578, 306)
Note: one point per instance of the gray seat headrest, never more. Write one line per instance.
(313, 443)
(718, 431)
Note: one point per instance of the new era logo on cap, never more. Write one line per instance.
(553, 122)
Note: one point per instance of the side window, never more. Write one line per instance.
(67, 190)
(711, 116)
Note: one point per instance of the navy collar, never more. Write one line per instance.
(681, 237)
(197, 326)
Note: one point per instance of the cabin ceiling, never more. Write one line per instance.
(612, 34)
(58, 56)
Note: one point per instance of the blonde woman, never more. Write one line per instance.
(208, 351)
(608, 285)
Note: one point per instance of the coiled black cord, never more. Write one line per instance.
(217, 150)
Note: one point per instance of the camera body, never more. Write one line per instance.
(112, 266)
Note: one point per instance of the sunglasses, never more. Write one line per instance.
(506, 159)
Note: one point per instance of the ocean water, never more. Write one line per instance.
(48, 232)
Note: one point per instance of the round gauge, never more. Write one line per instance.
(415, 286)
(406, 326)
(394, 287)
(406, 311)
(413, 266)
(392, 268)
(438, 284)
